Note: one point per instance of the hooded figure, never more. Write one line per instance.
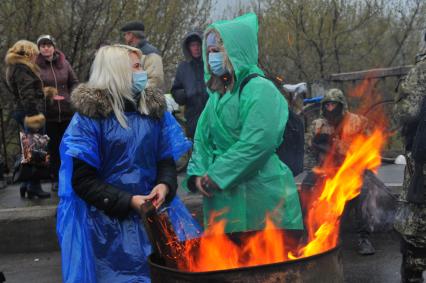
(330, 126)
(325, 137)
(236, 137)
(189, 88)
(118, 152)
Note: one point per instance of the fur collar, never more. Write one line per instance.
(96, 103)
(14, 59)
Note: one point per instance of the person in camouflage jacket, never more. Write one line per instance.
(410, 219)
(326, 133)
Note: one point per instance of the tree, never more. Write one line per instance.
(81, 26)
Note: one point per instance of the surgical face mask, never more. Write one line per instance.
(139, 81)
(216, 63)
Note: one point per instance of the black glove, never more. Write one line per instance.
(322, 142)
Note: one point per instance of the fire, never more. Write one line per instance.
(216, 251)
(341, 187)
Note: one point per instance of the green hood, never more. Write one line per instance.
(240, 41)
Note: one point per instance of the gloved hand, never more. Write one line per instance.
(322, 142)
(35, 122)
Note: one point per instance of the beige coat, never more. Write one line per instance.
(153, 64)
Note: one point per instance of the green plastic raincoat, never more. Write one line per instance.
(236, 139)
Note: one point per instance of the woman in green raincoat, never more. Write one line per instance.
(234, 164)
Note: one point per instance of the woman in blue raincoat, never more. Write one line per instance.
(118, 152)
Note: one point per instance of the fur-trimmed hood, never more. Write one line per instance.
(96, 103)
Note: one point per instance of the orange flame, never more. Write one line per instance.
(363, 154)
(216, 251)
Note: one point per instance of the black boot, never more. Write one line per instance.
(23, 189)
(410, 275)
(35, 190)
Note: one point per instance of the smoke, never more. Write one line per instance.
(377, 203)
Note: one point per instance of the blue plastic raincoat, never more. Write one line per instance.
(95, 247)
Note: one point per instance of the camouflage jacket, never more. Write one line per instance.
(408, 102)
(410, 219)
(351, 125)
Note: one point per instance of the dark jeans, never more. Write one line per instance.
(55, 131)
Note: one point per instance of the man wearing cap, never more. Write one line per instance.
(134, 35)
(189, 88)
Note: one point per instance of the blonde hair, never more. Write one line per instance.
(22, 52)
(111, 71)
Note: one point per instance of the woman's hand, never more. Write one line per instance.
(200, 187)
(158, 195)
(137, 201)
(205, 185)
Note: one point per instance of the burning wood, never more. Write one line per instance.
(164, 241)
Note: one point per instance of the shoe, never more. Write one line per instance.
(23, 190)
(365, 247)
(35, 190)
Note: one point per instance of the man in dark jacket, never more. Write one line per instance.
(134, 35)
(189, 88)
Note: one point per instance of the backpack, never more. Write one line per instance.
(291, 150)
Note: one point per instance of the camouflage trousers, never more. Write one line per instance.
(410, 222)
(413, 261)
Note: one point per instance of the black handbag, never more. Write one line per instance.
(33, 162)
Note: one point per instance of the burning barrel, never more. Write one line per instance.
(322, 267)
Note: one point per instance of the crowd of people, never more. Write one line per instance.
(114, 146)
